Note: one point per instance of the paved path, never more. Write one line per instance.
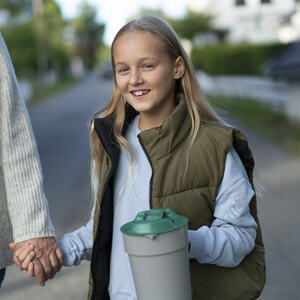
(61, 129)
(279, 205)
(60, 126)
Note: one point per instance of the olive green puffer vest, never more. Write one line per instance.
(192, 194)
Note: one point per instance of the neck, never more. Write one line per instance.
(145, 123)
(148, 121)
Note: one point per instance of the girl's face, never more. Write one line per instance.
(145, 73)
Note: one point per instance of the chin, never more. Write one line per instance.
(140, 107)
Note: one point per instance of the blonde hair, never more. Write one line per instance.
(187, 86)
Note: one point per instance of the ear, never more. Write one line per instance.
(179, 67)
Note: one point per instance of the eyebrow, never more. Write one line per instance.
(141, 59)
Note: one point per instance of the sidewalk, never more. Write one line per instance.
(68, 284)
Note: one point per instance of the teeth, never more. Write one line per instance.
(140, 93)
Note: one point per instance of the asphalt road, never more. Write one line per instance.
(61, 129)
(60, 125)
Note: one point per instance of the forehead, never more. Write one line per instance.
(137, 45)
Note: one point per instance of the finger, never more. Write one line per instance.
(48, 270)
(39, 272)
(12, 246)
(54, 263)
(60, 257)
(18, 262)
(20, 249)
(24, 252)
(30, 270)
(21, 254)
(51, 246)
(28, 259)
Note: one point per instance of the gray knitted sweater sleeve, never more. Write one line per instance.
(21, 186)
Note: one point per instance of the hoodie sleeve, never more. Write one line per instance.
(232, 234)
(78, 244)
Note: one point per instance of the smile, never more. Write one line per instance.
(139, 93)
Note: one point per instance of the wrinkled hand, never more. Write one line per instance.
(47, 261)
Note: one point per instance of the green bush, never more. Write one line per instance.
(254, 114)
(20, 41)
(233, 59)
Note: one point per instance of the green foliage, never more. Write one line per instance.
(16, 7)
(56, 49)
(103, 54)
(186, 27)
(20, 42)
(89, 34)
(233, 59)
(37, 41)
(254, 114)
(192, 24)
(53, 20)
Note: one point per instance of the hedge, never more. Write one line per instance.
(20, 41)
(233, 59)
(21, 45)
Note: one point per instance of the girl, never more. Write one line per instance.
(159, 144)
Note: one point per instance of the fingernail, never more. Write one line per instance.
(31, 246)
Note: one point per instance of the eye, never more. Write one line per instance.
(122, 70)
(148, 66)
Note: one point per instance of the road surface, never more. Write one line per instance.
(60, 125)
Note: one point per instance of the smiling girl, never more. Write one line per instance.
(158, 144)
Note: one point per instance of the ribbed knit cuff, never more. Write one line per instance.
(34, 235)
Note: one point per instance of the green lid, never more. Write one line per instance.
(154, 221)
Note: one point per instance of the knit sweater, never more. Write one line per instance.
(24, 210)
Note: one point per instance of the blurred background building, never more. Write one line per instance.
(253, 20)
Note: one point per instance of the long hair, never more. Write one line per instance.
(187, 86)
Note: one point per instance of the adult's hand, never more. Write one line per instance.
(48, 258)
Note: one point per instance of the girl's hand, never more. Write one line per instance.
(23, 256)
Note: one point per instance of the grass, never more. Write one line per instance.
(41, 92)
(258, 116)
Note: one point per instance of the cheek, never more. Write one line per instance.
(121, 83)
(162, 78)
(163, 83)
(156, 80)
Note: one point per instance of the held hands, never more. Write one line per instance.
(41, 257)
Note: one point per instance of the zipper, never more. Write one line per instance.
(151, 179)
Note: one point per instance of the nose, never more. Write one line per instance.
(135, 77)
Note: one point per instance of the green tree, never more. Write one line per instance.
(89, 34)
(21, 40)
(186, 27)
(56, 48)
(16, 7)
(192, 24)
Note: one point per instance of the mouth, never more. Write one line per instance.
(139, 93)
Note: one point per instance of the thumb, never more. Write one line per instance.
(12, 246)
